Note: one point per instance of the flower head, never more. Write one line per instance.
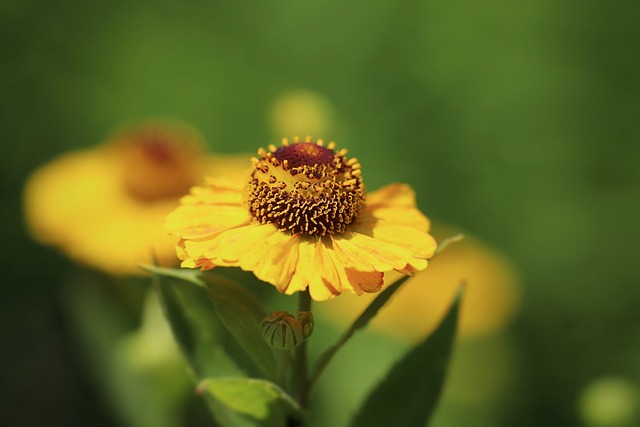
(302, 219)
(105, 206)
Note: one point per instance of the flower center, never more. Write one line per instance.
(305, 188)
(304, 153)
(158, 160)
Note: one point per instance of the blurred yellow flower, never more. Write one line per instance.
(104, 207)
(490, 299)
(302, 220)
(301, 111)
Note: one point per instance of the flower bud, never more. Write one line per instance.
(282, 331)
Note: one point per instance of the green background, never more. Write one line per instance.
(517, 121)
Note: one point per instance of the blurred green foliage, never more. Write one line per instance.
(513, 120)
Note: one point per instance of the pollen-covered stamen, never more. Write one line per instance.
(305, 187)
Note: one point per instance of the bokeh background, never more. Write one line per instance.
(514, 121)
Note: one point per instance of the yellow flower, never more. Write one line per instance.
(105, 206)
(301, 110)
(490, 299)
(302, 219)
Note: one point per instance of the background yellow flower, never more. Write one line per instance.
(301, 112)
(104, 207)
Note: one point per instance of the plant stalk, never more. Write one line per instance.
(300, 368)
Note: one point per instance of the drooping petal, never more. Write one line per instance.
(305, 267)
(335, 278)
(278, 264)
(329, 278)
(321, 290)
(317, 270)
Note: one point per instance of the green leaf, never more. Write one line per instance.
(362, 321)
(180, 325)
(200, 335)
(241, 313)
(408, 395)
(196, 328)
(237, 308)
(258, 399)
(187, 274)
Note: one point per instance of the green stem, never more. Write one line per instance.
(283, 363)
(300, 369)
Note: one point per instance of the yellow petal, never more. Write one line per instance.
(305, 267)
(352, 256)
(319, 290)
(370, 281)
(410, 217)
(392, 195)
(420, 244)
(199, 221)
(213, 196)
(365, 253)
(180, 252)
(278, 261)
(341, 283)
(413, 266)
(329, 262)
(328, 277)
(188, 263)
(316, 270)
(202, 263)
(232, 246)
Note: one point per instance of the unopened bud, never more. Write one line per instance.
(282, 331)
